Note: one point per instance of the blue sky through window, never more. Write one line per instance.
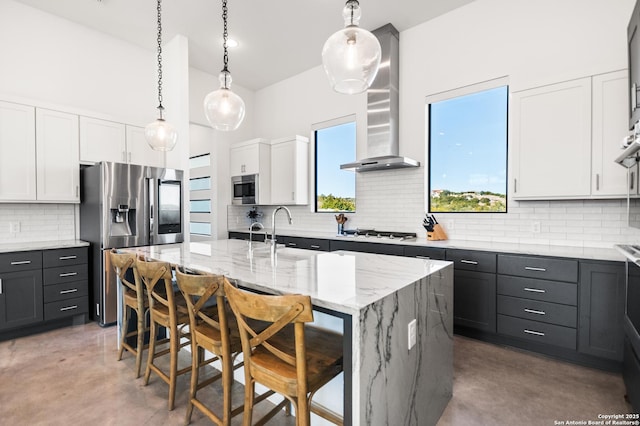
(335, 145)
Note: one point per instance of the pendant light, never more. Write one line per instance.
(223, 108)
(351, 56)
(160, 135)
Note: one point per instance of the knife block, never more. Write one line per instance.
(437, 234)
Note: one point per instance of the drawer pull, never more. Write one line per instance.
(73, 290)
(533, 268)
(534, 290)
(469, 262)
(0, 285)
(423, 257)
(68, 274)
(313, 246)
(291, 244)
(535, 333)
(21, 262)
(534, 311)
(68, 308)
(68, 257)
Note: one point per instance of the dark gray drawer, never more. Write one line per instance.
(472, 260)
(61, 257)
(425, 252)
(305, 243)
(65, 274)
(535, 310)
(56, 292)
(20, 261)
(538, 332)
(66, 308)
(546, 291)
(545, 268)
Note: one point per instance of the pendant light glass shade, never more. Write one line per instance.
(160, 135)
(351, 56)
(223, 108)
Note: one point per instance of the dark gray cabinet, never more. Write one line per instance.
(425, 252)
(601, 304)
(364, 247)
(474, 289)
(20, 289)
(305, 243)
(65, 280)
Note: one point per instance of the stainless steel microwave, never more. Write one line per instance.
(245, 189)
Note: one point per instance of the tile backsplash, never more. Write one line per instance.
(393, 201)
(37, 222)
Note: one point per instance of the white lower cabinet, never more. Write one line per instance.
(565, 136)
(58, 169)
(290, 171)
(17, 152)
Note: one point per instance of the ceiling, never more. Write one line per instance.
(278, 38)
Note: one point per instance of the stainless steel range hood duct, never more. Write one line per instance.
(383, 110)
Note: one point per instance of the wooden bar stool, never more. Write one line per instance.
(167, 309)
(215, 331)
(134, 299)
(295, 361)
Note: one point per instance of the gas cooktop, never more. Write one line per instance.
(372, 233)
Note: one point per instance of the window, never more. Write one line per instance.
(335, 144)
(200, 195)
(467, 132)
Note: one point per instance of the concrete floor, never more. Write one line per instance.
(71, 376)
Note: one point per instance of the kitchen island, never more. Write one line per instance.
(374, 297)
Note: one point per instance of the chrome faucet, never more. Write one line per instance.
(254, 225)
(273, 222)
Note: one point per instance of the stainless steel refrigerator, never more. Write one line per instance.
(125, 205)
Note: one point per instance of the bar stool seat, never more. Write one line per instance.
(288, 357)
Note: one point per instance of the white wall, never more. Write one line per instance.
(533, 44)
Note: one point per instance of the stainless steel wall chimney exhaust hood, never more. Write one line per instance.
(383, 110)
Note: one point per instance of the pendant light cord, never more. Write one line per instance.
(225, 35)
(160, 107)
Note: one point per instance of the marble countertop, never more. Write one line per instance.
(41, 245)
(590, 253)
(342, 281)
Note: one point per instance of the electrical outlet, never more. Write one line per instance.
(535, 227)
(411, 331)
(14, 227)
(450, 225)
(237, 220)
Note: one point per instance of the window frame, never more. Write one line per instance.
(456, 93)
(351, 118)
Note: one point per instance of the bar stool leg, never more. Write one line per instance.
(174, 343)
(124, 324)
(139, 349)
(248, 401)
(152, 351)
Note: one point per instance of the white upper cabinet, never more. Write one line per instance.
(139, 151)
(58, 169)
(250, 157)
(17, 152)
(610, 111)
(290, 171)
(565, 136)
(551, 141)
(102, 140)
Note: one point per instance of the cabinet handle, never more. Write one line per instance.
(21, 262)
(291, 244)
(469, 262)
(633, 177)
(68, 308)
(68, 274)
(597, 181)
(634, 100)
(533, 268)
(68, 291)
(515, 185)
(124, 156)
(0, 285)
(535, 333)
(77, 191)
(423, 257)
(313, 246)
(67, 257)
(534, 290)
(534, 311)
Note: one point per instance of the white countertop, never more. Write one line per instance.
(342, 281)
(589, 253)
(41, 245)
